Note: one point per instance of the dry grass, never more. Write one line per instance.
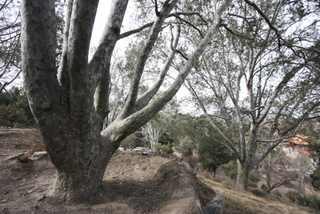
(246, 202)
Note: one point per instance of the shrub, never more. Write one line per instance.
(316, 178)
(252, 184)
(230, 169)
(212, 152)
(258, 192)
(276, 193)
(264, 187)
(292, 196)
(254, 177)
(312, 201)
(163, 148)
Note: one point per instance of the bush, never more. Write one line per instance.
(212, 152)
(312, 201)
(264, 187)
(163, 148)
(316, 178)
(14, 107)
(276, 193)
(292, 196)
(254, 177)
(230, 169)
(252, 184)
(258, 192)
(134, 140)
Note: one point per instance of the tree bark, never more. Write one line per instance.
(80, 169)
(243, 173)
(64, 109)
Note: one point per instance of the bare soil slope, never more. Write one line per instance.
(131, 183)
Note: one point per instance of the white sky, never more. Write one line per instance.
(100, 21)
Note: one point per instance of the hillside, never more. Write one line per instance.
(128, 185)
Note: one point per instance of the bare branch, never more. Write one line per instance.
(190, 24)
(129, 33)
(129, 124)
(148, 95)
(156, 8)
(252, 4)
(155, 30)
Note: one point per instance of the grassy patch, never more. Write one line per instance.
(238, 202)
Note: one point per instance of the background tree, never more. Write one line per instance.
(258, 78)
(153, 131)
(186, 131)
(212, 153)
(9, 43)
(10, 31)
(70, 123)
(275, 166)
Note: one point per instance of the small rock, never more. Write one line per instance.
(13, 157)
(144, 151)
(39, 155)
(216, 205)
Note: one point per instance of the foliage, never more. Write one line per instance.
(312, 201)
(260, 77)
(212, 153)
(255, 177)
(230, 169)
(14, 107)
(186, 132)
(134, 140)
(163, 148)
(316, 178)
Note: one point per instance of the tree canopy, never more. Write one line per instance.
(260, 77)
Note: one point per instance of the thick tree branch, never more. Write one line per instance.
(38, 55)
(63, 73)
(121, 128)
(148, 95)
(145, 52)
(99, 66)
(277, 90)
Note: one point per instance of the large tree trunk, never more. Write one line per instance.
(64, 107)
(243, 173)
(80, 159)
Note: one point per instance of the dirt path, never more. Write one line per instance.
(128, 185)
